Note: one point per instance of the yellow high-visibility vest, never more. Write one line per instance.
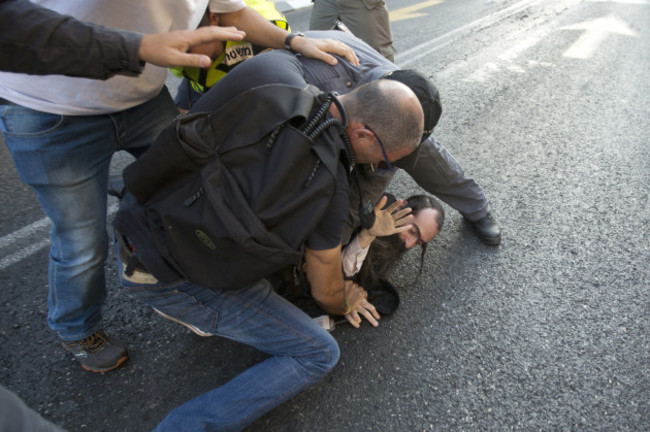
(234, 52)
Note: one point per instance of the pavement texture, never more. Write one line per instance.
(547, 332)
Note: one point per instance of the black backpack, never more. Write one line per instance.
(226, 198)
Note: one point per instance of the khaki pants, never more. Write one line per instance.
(367, 19)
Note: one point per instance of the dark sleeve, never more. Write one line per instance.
(39, 41)
(327, 234)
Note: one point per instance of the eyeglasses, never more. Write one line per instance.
(417, 233)
(391, 167)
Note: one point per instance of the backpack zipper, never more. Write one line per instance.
(191, 200)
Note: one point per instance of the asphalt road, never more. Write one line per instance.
(546, 104)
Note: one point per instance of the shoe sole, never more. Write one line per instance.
(196, 330)
(491, 241)
(102, 370)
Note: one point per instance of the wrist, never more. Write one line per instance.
(289, 39)
(365, 238)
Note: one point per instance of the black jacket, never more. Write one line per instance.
(39, 41)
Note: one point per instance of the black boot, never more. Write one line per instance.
(487, 229)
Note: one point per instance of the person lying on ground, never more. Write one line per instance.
(373, 253)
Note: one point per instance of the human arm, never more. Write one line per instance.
(47, 42)
(331, 292)
(261, 32)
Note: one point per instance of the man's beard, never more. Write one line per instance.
(383, 256)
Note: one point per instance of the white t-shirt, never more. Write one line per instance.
(80, 96)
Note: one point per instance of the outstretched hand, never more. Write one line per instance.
(319, 49)
(170, 49)
(394, 219)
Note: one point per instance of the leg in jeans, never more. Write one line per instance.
(301, 351)
(66, 160)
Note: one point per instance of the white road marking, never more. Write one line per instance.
(10, 239)
(424, 49)
(23, 253)
(34, 229)
(595, 32)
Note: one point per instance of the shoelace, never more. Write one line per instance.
(94, 342)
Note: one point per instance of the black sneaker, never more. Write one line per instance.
(99, 352)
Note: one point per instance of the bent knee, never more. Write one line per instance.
(325, 357)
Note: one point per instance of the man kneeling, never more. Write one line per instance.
(301, 351)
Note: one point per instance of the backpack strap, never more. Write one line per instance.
(272, 105)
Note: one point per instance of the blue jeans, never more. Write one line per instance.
(66, 159)
(302, 352)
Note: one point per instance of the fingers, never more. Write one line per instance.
(354, 319)
(398, 204)
(382, 202)
(369, 312)
(205, 35)
(350, 55)
(215, 33)
(170, 49)
(354, 294)
(191, 60)
(390, 220)
(366, 310)
(334, 47)
(401, 214)
(402, 221)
